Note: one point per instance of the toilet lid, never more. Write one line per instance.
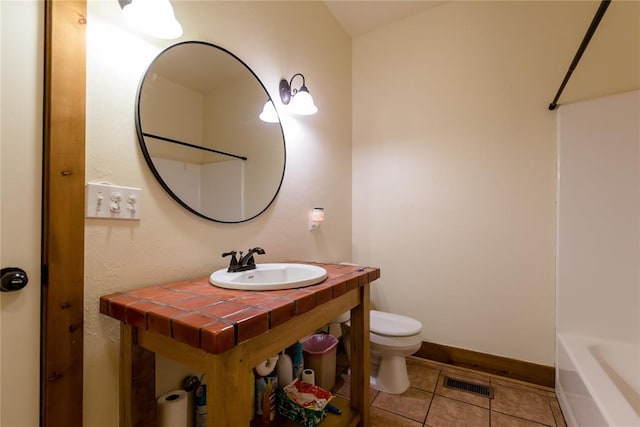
(391, 324)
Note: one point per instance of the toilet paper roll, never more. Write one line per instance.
(173, 409)
(308, 376)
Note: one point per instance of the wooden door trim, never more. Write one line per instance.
(63, 213)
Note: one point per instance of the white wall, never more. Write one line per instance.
(232, 174)
(184, 179)
(204, 186)
(245, 134)
(276, 39)
(21, 70)
(172, 111)
(454, 162)
(599, 218)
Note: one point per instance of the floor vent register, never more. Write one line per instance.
(479, 389)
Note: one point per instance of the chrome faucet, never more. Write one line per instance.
(243, 262)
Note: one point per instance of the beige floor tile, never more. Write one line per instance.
(413, 403)
(557, 412)
(516, 404)
(460, 395)
(426, 362)
(342, 361)
(503, 420)
(446, 412)
(343, 387)
(523, 404)
(522, 386)
(381, 418)
(422, 376)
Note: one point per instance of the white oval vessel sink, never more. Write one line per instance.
(270, 277)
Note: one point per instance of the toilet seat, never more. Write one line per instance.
(393, 325)
(400, 344)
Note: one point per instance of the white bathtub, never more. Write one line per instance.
(598, 382)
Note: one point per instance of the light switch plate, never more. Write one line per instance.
(112, 202)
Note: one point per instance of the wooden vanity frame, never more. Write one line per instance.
(228, 374)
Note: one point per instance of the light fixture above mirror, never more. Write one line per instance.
(152, 17)
(299, 100)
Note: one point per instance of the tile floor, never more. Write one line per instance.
(427, 403)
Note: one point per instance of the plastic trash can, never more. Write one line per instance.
(320, 355)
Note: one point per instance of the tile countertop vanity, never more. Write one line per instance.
(224, 333)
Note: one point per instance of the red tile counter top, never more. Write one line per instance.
(215, 319)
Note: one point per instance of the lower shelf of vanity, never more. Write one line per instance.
(348, 418)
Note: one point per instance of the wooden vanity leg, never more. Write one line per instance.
(360, 356)
(137, 381)
(228, 389)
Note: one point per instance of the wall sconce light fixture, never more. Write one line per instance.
(269, 113)
(152, 17)
(300, 99)
(316, 217)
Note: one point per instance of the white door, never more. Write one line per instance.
(21, 93)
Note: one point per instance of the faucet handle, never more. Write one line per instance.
(232, 253)
(234, 261)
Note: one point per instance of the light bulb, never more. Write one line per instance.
(302, 103)
(269, 113)
(153, 17)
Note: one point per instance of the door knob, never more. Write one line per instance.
(13, 279)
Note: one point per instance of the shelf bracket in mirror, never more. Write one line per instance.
(186, 144)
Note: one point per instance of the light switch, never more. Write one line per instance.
(112, 201)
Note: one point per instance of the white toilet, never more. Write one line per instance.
(392, 338)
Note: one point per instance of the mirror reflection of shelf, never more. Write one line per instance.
(199, 147)
(206, 113)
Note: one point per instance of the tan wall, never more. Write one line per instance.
(454, 161)
(276, 39)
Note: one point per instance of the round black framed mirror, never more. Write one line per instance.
(197, 119)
